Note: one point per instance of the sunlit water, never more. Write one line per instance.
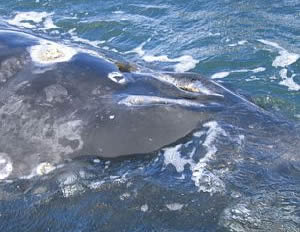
(233, 173)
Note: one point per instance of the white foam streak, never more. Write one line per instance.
(199, 170)
(285, 58)
(30, 19)
(203, 178)
(48, 23)
(184, 63)
(139, 49)
(75, 38)
(288, 81)
(172, 156)
(272, 44)
(259, 69)
(242, 42)
(220, 75)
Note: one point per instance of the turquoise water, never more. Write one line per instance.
(253, 181)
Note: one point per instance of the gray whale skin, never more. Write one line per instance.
(85, 106)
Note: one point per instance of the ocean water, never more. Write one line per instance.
(237, 171)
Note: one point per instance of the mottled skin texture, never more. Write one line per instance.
(51, 114)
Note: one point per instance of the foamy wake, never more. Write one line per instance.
(284, 59)
(220, 75)
(76, 38)
(43, 21)
(32, 20)
(288, 81)
(205, 180)
(239, 43)
(183, 63)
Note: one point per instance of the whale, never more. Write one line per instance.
(89, 137)
(61, 101)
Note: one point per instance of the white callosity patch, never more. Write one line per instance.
(47, 53)
(137, 100)
(31, 19)
(202, 89)
(44, 168)
(6, 166)
(288, 81)
(203, 178)
(285, 57)
(190, 86)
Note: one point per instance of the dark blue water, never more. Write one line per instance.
(236, 173)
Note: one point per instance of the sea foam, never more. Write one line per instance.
(183, 63)
(204, 178)
(285, 57)
(224, 74)
(32, 19)
(288, 81)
